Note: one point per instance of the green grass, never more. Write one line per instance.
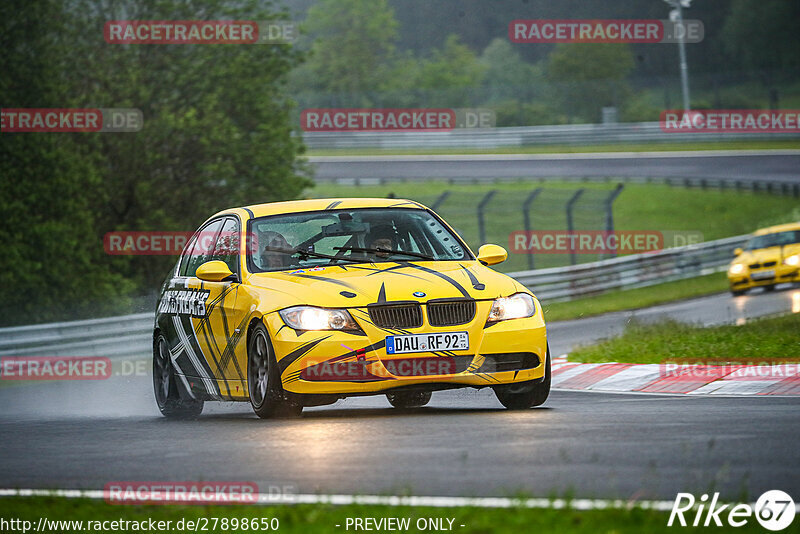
(636, 298)
(716, 214)
(770, 339)
(555, 149)
(324, 518)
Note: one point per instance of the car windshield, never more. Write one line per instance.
(300, 240)
(777, 239)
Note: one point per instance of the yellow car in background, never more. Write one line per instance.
(295, 304)
(772, 256)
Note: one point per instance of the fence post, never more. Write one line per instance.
(481, 226)
(570, 226)
(526, 206)
(609, 205)
(438, 202)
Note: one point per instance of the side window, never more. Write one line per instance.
(187, 254)
(226, 246)
(201, 249)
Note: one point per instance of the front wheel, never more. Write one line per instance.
(738, 292)
(168, 399)
(526, 394)
(264, 380)
(409, 399)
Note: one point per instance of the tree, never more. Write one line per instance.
(352, 45)
(590, 76)
(452, 73)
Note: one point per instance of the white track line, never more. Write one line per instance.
(389, 500)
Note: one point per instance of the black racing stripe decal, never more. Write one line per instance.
(393, 270)
(333, 204)
(382, 293)
(407, 203)
(290, 358)
(442, 276)
(324, 279)
(249, 212)
(473, 279)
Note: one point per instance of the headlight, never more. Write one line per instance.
(794, 261)
(312, 318)
(514, 307)
(736, 268)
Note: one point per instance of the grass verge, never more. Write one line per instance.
(641, 297)
(325, 518)
(569, 149)
(771, 339)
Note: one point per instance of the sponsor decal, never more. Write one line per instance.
(54, 368)
(184, 302)
(60, 120)
(605, 31)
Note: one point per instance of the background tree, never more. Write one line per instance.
(590, 76)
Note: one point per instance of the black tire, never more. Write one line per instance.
(525, 395)
(769, 288)
(738, 292)
(409, 399)
(165, 386)
(264, 381)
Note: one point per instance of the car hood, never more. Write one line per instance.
(764, 255)
(367, 283)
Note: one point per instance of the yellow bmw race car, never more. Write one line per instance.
(771, 257)
(302, 303)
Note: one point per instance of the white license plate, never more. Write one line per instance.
(762, 275)
(427, 342)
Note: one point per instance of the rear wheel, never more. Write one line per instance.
(409, 399)
(769, 288)
(526, 394)
(264, 381)
(168, 399)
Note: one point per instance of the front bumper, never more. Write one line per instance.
(342, 363)
(756, 278)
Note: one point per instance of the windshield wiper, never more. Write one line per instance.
(386, 251)
(305, 254)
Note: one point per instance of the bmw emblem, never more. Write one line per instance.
(419, 294)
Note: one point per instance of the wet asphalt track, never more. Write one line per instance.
(85, 434)
(782, 167)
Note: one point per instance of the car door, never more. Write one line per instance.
(199, 317)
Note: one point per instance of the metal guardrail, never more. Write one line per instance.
(627, 272)
(131, 335)
(568, 134)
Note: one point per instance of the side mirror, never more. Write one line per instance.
(737, 251)
(213, 271)
(492, 254)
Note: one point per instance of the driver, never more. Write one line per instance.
(272, 259)
(383, 237)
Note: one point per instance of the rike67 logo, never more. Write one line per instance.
(774, 510)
